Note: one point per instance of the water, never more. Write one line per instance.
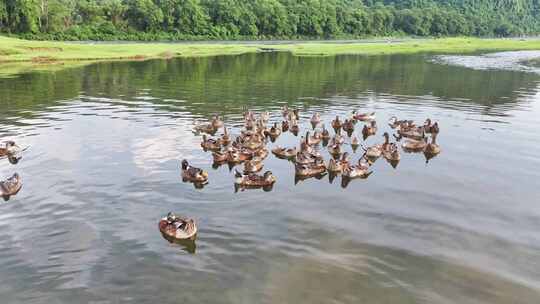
(102, 167)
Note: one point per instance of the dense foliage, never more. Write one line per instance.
(260, 19)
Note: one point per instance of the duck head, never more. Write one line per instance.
(185, 164)
(268, 176)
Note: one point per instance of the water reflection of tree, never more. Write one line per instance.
(226, 83)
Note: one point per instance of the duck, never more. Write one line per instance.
(363, 116)
(274, 131)
(261, 153)
(431, 128)
(315, 139)
(348, 126)
(10, 186)
(336, 124)
(254, 180)
(210, 144)
(249, 115)
(175, 227)
(373, 152)
(325, 134)
(412, 131)
(285, 153)
(193, 174)
(361, 170)
(216, 122)
(370, 130)
(295, 114)
(312, 140)
(355, 143)
(294, 128)
(253, 142)
(253, 165)
(285, 111)
(394, 122)
(336, 166)
(305, 158)
(206, 128)
(235, 157)
(220, 157)
(391, 153)
(334, 149)
(265, 116)
(310, 169)
(315, 119)
(432, 148)
(225, 138)
(338, 139)
(10, 148)
(412, 145)
(386, 145)
(285, 126)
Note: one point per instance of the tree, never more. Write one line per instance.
(144, 15)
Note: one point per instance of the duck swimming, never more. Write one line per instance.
(193, 174)
(373, 152)
(175, 227)
(310, 169)
(393, 122)
(253, 165)
(336, 124)
(225, 138)
(412, 145)
(363, 116)
(220, 157)
(348, 126)
(210, 144)
(361, 170)
(312, 140)
(431, 128)
(265, 116)
(334, 149)
(294, 128)
(284, 153)
(370, 130)
(254, 180)
(206, 128)
(412, 132)
(274, 131)
(285, 126)
(335, 166)
(10, 186)
(325, 134)
(391, 153)
(216, 122)
(10, 148)
(432, 148)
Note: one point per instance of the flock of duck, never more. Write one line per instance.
(249, 148)
(11, 185)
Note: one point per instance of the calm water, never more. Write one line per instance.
(102, 167)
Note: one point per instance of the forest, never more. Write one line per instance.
(150, 20)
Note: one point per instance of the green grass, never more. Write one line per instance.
(55, 55)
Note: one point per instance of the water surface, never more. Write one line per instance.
(102, 167)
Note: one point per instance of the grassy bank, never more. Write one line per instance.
(44, 54)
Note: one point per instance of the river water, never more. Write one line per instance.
(102, 167)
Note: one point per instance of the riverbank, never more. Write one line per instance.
(53, 55)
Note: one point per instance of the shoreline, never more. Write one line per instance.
(39, 55)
